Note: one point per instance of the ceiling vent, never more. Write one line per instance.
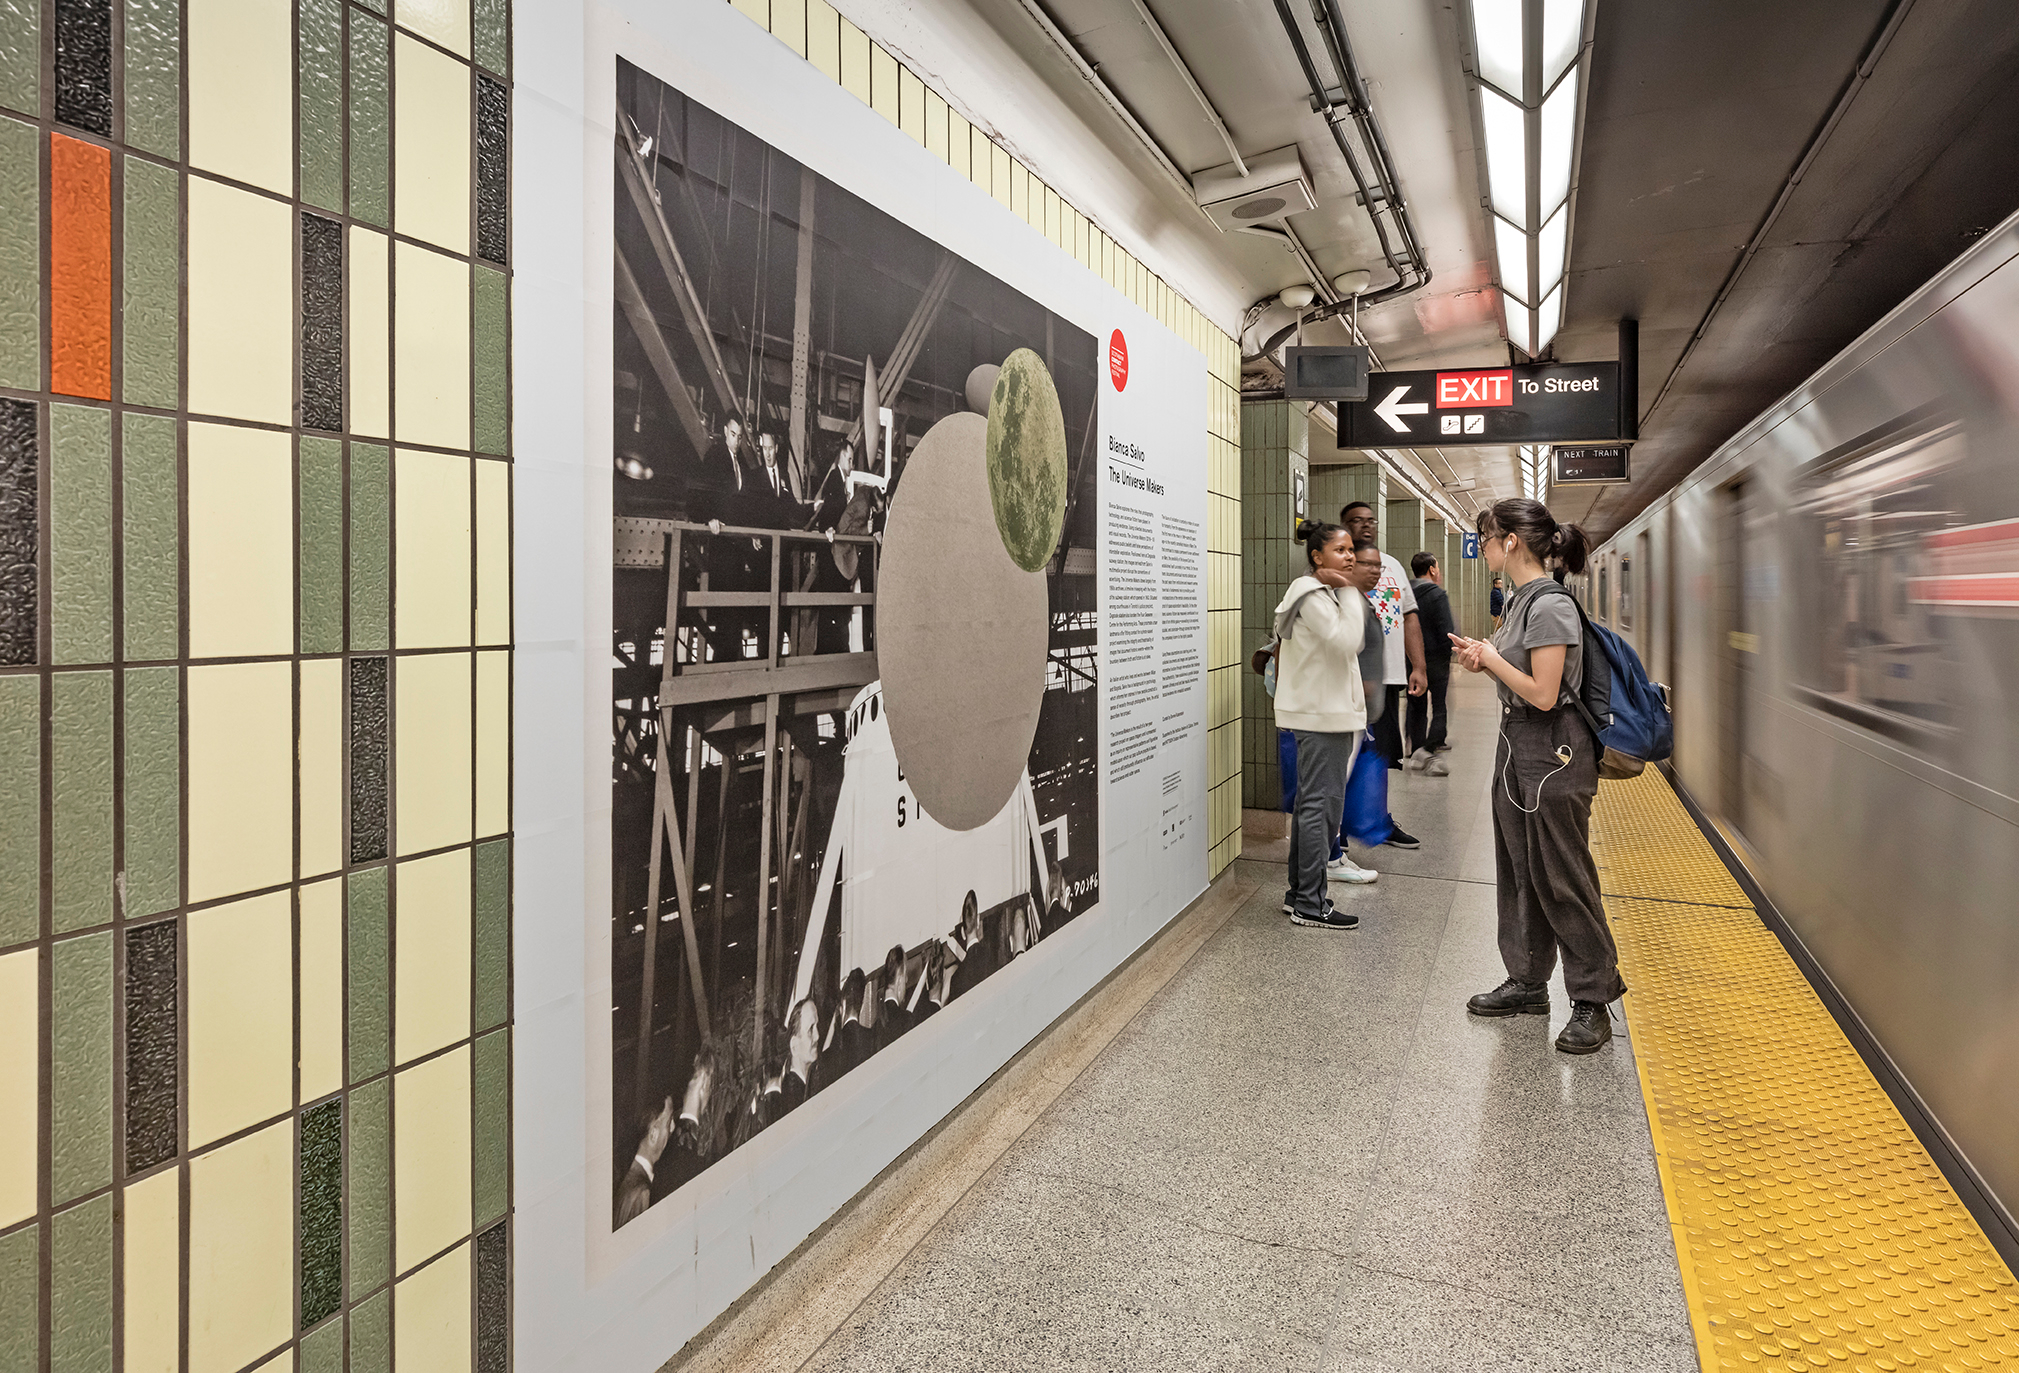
(1274, 187)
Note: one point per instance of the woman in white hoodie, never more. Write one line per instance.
(1320, 701)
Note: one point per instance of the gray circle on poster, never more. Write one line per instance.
(960, 633)
(981, 386)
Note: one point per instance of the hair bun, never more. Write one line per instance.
(1556, 539)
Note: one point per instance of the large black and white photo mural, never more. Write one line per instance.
(855, 696)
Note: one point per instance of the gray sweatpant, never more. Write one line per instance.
(1324, 762)
(1548, 884)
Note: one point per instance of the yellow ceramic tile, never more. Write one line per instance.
(241, 90)
(935, 125)
(241, 784)
(494, 552)
(855, 61)
(431, 545)
(20, 1083)
(823, 39)
(321, 753)
(241, 1249)
(431, 1314)
(241, 542)
(370, 333)
(431, 736)
(153, 1273)
(959, 142)
(911, 105)
(321, 1055)
(757, 11)
(431, 143)
(446, 22)
(431, 347)
(241, 1015)
(431, 954)
(1020, 190)
(788, 24)
(883, 82)
(999, 162)
(431, 1159)
(494, 743)
(241, 303)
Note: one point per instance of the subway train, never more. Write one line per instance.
(1834, 598)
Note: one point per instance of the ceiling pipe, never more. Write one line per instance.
(1191, 83)
(1412, 272)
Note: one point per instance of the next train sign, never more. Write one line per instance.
(1569, 402)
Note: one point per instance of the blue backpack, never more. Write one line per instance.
(1627, 712)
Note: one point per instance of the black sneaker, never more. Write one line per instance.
(1589, 1029)
(1332, 918)
(1403, 839)
(1511, 998)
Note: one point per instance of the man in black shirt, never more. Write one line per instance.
(1425, 724)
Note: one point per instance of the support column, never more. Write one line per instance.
(1275, 448)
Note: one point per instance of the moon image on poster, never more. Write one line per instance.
(1027, 459)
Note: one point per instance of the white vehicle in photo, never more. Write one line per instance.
(915, 898)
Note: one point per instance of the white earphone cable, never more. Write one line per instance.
(1563, 754)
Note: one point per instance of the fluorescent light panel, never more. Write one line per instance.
(1562, 32)
(1548, 318)
(1511, 247)
(1506, 155)
(1559, 132)
(1518, 334)
(1496, 37)
(1549, 250)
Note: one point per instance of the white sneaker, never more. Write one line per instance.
(1435, 766)
(1345, 870)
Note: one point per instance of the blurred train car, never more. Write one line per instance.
(1834, 597)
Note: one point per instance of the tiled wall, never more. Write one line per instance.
(1272, 433)
(255, 675)
(845, 54)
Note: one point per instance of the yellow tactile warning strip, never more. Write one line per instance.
(1812, 1229)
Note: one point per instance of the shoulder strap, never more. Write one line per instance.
(1564, 693)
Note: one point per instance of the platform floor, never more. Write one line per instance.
(1268, 1147)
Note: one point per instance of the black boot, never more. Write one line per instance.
(1589, 1028)
(1512, 998)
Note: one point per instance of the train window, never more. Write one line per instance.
(872, 706)
(1868, 647)
(1626, 593)
(1604, 591)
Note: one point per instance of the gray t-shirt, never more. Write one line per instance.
(1534, 617)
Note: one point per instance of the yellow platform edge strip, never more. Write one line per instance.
(1811, 1228)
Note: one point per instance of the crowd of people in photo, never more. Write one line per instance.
(1359, 666)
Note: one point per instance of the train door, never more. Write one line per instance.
(1644, 628)
(1734, 662)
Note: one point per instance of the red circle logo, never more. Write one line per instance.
(1118, 360)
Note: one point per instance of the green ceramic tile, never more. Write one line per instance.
(366, 938)
(323, 1351)
(492, 934)
(150, 284)
(490, 1127)
(371, 119)
(322, 546)
(20, 809)
(80, 1066)
(21, 55)
(20, 249)
(371, 541)
(152, 70)
(80, 809)
(491, 28)
(21, 1299)
(80, 543)
(80, 1288)
(493, 371)
(372, 1335)
(148, 503)
(153, 790)
(368, 1207)
(322, 103)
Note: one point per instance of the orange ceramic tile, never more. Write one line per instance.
(80, 268)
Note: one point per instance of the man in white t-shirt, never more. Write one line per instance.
(1395, 604)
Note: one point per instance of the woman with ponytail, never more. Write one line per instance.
(1544, 778)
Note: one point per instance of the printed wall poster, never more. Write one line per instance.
(855, 695)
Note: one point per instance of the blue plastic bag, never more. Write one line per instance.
(1367, 817)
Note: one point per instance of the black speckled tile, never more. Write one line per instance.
(84, 64)
(322, 1226)
(368, 759)
(151, 1050)
(494, 1316)
(20, 542)
(493, 180)
(322, 323)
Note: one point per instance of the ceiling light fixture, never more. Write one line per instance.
(1527, 58)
